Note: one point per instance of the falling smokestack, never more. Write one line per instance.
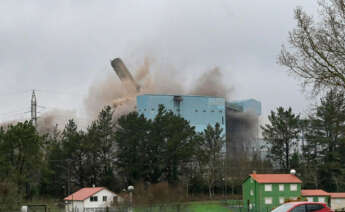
(124, 75)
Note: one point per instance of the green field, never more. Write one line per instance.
(186, 207)
(204, 207)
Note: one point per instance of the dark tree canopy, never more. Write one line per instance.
(316, 50)
(281, 136)
(326, 141)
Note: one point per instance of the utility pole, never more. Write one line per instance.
(34, 108)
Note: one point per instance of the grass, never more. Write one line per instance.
(207, 206)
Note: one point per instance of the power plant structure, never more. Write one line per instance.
(238, 119)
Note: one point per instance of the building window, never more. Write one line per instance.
(281, 200)
(293, 187)
(321, 199)
(196, 110)
(268, 200)
(212, 110)
(104, 198)
(251, 192)
(310, 199)
(281, 187)
(93, 199)
(268, 187)
(204, 111)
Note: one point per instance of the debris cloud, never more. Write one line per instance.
(152, 79)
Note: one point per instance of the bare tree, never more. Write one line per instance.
(316, 50)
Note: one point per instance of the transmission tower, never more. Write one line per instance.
(33, 108)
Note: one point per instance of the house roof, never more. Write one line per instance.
(276, 178)
(338, 195)
(314, 192)
(84, 193)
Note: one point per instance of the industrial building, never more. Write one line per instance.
(239, 119)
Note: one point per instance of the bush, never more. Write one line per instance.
(8, 196)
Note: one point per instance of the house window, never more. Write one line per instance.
(268, 200)
(310, 199)
(293, 187)
(281, 187)
(93, 199)
(251, 192)
(321, 199)
(281, 200)
(268, 187)
(104, 198)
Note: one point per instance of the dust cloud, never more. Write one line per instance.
(157, 79)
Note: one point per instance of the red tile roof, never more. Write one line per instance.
(337, 195)
(275, 178)
(314, 192)
(84, 193)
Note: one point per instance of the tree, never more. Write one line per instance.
(210, 155)
(326, 140)
(281, 136)
(176, 138)
(136, 159)
(21, 156)
(100, 149)
(316, 50)
(153, 151)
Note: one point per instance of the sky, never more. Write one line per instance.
(62, 48)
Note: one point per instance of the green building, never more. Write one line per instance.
(316, 195)
(263, 192)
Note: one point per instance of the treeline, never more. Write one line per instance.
(314, 145)
(130, 150)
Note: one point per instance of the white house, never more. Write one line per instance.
(91, 199)
(337, 201)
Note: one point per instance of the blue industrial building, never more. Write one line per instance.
(200, 111)
(239, 119)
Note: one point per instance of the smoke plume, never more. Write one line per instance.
(211, 84)
(153, 79)
(54, 119)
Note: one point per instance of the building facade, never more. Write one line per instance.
(90, 199)
(338, 201)
(200, 111)
(263, 192)
(239, 120)
(316, 195)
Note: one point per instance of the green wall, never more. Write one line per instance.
(259, 194)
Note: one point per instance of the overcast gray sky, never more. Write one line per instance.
(63, 47)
